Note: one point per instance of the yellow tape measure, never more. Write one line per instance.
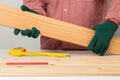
(19, 51)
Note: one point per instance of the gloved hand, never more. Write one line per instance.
(103, 35)
(34, 33)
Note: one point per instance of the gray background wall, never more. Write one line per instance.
(9, 40)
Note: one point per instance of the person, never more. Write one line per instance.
(88, 13)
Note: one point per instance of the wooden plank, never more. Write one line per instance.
(49, 27)
(75, 65)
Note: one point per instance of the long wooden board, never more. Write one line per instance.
(49, 27)
(79, 63)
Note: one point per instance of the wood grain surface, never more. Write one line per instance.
(78, 64)
(50, 27)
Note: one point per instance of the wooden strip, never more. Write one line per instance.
(110, 70)
(49, 27)
(75, 65)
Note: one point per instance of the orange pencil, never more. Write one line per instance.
(27, 63)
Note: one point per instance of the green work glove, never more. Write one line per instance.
(34, 33)
(24, 8)
(103, 35)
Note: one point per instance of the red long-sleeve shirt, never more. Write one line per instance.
(80, 12)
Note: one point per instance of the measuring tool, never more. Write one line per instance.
(19, 51)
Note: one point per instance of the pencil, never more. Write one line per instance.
(27, 63)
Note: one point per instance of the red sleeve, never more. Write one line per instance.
(36, 5)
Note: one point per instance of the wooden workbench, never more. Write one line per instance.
(79, 63)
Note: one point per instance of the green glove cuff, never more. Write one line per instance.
(110, 25)
(24, 8)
